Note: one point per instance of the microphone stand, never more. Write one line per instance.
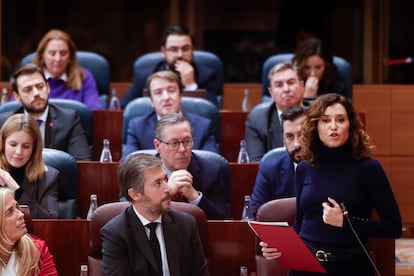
(345, 214)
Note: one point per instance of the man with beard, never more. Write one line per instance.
(127, 241)
(60, 127)
(263, 124)
(177, 49)
(275, 178)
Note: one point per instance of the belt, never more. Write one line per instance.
(324, 256)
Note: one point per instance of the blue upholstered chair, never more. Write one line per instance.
(85, 114)
(273, 153)
(201, 107)
(344, 70)
(99, 67)
(203, 57)
(68, 180)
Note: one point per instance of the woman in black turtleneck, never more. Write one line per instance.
(22, 168)
(338, 169)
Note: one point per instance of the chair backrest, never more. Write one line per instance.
(283, 209)
(202, 57)
(68, 180)
(273, 153)
(106, 212)
(97, 64)
(85, 114)
(201, 107)
(344, 70)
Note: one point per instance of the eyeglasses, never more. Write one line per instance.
(175, 144)
(184, 49)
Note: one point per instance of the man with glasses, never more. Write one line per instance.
(177, 49)
(191, 178)
(165, 94)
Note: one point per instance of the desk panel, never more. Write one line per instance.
(231, 245)
(96, 178)
(242, 179)
(107, 124)
(232, 131)
(68, 241)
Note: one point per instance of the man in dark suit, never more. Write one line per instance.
(130, 247)
(60, 128)
(275, 178)
(191, 178)
(177, 49)
(263, 127)
(166, 94)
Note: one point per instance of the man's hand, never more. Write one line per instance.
(181, 182)
(186, 71)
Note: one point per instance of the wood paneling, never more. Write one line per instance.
(232, 131)
(96, 178)
(233, 95)
(68, 241)
(108, 125)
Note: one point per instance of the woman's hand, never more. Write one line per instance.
(7, 181)
(332, 213)
(311, 86)
(268, 252)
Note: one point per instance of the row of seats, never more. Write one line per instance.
(100, 68)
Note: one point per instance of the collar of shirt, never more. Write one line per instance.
(159, 117)
(64, 77)
(144, 220)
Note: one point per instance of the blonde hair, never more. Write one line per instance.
(27, 255)
(74, 71)
(35, 167)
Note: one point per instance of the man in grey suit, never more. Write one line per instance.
(263, 124)
(60, 127)
(128, 239)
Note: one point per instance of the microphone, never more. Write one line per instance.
(345, 214)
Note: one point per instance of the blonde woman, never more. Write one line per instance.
(20, 253)
(56, 54)
(22, 168)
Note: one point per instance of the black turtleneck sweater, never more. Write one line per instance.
(361, 185)
(18, 175)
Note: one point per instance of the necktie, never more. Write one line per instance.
(39, 122)
(155, 245)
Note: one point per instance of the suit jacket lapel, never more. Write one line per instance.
(195, 170)
(139, 236)
(51, 123)
(172, 243)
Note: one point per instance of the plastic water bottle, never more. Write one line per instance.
(243, 155)
(92, 206)
(4, 98)
(246, 106)
(247, 209)
(84, 270)
(106, 155)
(243, 271)
(114, 104)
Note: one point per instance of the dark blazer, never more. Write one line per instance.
(274, 180)
(208, 178)
(205, 78)
(126, 249)
(41, 196)
(141, 133)
(260, 135)
(63, 131)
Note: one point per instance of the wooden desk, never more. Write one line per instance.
(242, 179)
(108, 124)
(233, 95)
(68, 241)
(232, 131)
(97, 178)
(231, 245)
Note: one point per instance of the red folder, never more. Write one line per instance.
(295, 254)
